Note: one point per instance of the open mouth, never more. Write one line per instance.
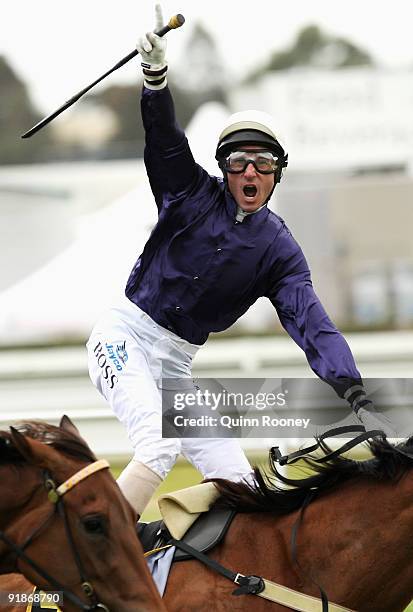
(250, 191)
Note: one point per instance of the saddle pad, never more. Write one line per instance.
(180, 509)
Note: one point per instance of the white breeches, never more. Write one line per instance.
(128, 356)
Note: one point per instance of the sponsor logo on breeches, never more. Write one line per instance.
(106, 361)
(121, 351)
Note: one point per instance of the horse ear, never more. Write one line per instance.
(21, 443)
(68, 425)
(34, 451)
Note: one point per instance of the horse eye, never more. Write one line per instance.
(94, 525)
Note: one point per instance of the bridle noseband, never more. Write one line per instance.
(55, 495)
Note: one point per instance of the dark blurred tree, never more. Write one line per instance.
(353, 55)
(201, 72)
(197, 78)
(315, 48)
(124, 102)
(17, 115)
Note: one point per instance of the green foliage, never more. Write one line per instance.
(123, 100)
(309, 41)
(201, 72)
(200, 77)
(355, 56)
(17, 115)
(314, 48)
(193, 81)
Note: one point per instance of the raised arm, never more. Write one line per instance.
(170, 165)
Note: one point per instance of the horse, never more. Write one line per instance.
(354, 539)
(65, 525)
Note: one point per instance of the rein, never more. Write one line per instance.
(55, 495)
(257, 585)
(277, 457)
(292, 458)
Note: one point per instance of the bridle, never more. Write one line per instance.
(55, 495)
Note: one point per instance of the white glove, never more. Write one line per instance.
(371, 419)
(152, 49)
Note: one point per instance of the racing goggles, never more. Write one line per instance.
(264, 162)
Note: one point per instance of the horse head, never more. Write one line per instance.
(66, 525)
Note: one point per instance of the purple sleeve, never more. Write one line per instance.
(304, 318)
(171, 168)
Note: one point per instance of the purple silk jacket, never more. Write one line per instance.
(201, 269)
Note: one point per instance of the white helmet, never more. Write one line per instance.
(250, 127)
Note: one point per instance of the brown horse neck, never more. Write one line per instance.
(358, 541)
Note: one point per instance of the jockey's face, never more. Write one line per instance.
(250, 188)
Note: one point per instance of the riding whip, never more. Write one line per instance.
(175, 22)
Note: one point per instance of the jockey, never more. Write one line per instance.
(215, 250)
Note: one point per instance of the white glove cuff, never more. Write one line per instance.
(155, 75)
(150, 85)
(154, 67)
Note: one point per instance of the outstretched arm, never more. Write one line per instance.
(304, 318)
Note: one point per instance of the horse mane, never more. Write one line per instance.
(62, 440)
(277, 494)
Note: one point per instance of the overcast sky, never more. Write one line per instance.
(59, 47)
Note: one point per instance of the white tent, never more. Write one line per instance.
(65, 296)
